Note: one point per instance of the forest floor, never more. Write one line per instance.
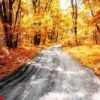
(10, 60)
(89, 56)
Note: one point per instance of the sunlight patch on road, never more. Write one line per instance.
(54, 96)
(96, 96)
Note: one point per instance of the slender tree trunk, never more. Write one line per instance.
(95, 37)
(10, 34)
(6, 20)
(16, 17)
(74, 16)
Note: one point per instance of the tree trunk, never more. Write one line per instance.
(6, 15)
(74, 16)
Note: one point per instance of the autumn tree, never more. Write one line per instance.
(55, 13)
(93, 5)
(41, 9)
(9, 20)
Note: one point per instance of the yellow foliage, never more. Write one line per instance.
(88, 56)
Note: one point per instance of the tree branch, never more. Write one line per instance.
(48, 4)
(17, 11)
(97, 26)
(4, 11)
(1, 14)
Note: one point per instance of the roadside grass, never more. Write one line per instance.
(89, 56)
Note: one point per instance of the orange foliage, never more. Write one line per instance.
(15, 59)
